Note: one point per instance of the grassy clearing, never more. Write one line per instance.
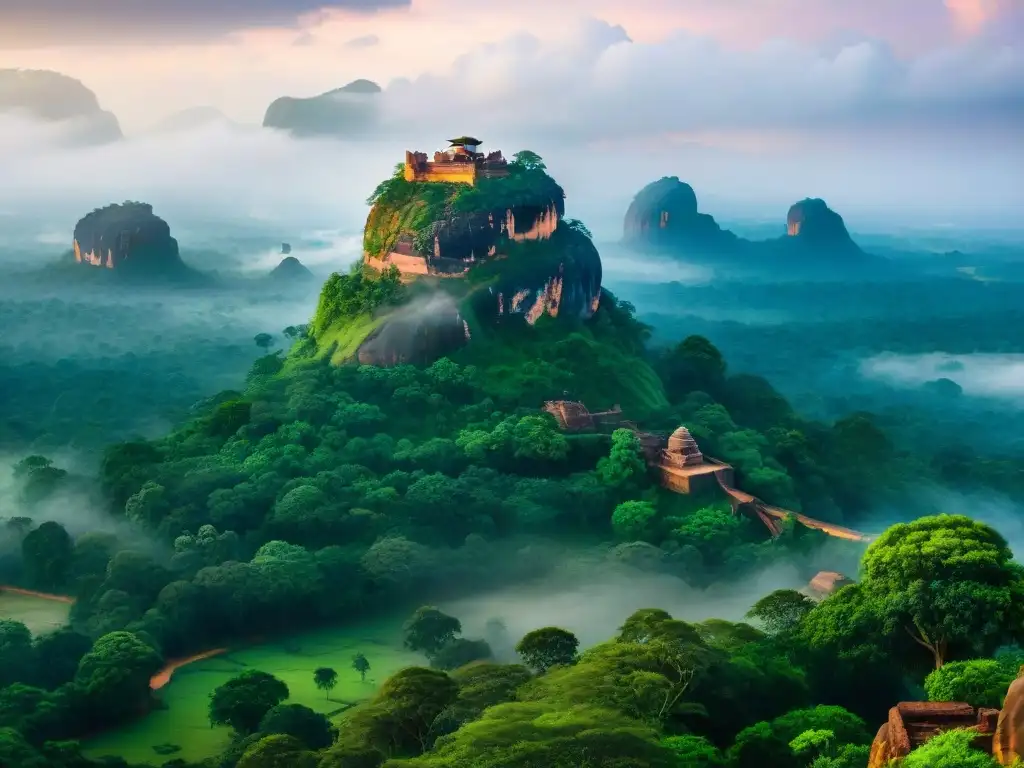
(184, 721)
(344, 337)
(38, 614)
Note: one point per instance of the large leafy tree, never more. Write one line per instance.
(47, 552)
(311, 728)
(544, 648)
(114, 676)
(946, 584)
(624, 467)
(429, 629)
(243, 701)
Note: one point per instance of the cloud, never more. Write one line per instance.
(598, 85)
(364, 41)
(42, 23)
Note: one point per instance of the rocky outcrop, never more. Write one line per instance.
(417, 334)
(347, 112)
(56, 98)
(664, 214)
(1008, 743)
(291, 270)
(127, 238)
(813, 223)
(912, 723)
(664, 217)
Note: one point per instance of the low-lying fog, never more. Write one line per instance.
(983, 375)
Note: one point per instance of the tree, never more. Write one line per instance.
(694, 751)
(325, 679)
(243, 701)
(624, 468)
(781, 611)
(952, 749)
(277, 751)
(429, 629)
(695, 364)
(543, 648)
(528, 160)
(631, 519)
(947, 582)
(361, 665)
(979, 682)
(47, 553)
(401, 718)
(460, 651)
(114, 676)
(15, 652)
(311, 728)
(263, 340)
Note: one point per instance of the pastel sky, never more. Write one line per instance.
(885, 104)
(240, 54)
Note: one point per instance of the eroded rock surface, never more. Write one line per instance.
(1008, 743)
(127, 237)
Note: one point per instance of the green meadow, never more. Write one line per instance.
(182, 721)
(38, 614)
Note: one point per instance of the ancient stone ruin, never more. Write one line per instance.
(912, 723)
(682, 450)
(824, 584)
(461, 163)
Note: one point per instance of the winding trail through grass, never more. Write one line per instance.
(163, 677)
(33, 593)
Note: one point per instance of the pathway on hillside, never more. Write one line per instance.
(774, 516)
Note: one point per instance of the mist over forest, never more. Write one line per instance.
(288, 500)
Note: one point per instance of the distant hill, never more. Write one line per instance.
(291, 270)
(348, 111)
(664, 217)
(56, 98)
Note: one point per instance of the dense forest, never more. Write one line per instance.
(317, 494)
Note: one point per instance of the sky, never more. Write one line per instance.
(907, 110)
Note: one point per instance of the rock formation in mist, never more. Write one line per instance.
(59, 99)
(129, 239)
(291, 270)
(664, 214)
(349, 111)
(813, 224)
(493, 244)
(663, 218)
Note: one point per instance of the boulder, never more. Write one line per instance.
(1008, 743)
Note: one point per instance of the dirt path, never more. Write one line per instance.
(163, 677)
(33, 593)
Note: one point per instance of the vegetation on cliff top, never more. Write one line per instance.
(401, 207)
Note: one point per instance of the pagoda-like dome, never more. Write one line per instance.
(681, 444)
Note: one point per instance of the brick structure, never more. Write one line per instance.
(912, 723)
(461, 163)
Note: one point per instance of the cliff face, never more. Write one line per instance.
(127, 238)
(349, 111)
(507, 235)
(56, 98)
(811, 222)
